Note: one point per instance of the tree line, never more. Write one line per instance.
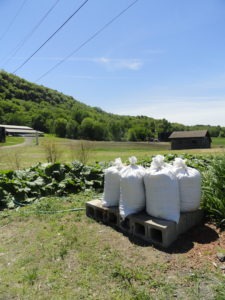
(47, 110)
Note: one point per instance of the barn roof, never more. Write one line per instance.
(15, 127)
(21, 131)
(189, 134)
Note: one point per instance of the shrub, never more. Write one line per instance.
(52, 151)
(84, 150)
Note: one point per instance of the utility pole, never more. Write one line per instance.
(36, 134)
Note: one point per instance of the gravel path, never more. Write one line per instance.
(27, 141)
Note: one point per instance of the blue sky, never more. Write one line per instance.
(163, 59)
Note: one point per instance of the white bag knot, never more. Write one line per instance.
(179, 163)
(118, 163)
(133, 160)
(158, 162)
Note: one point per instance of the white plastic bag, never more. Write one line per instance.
(189, 180)
(111, 193)
(162, 192)
(132, 193)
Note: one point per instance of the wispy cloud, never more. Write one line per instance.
(188, 111)
(112, 64)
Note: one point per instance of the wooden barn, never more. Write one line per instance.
(190, 139)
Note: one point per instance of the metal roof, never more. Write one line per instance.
(15, 127)
(20, 130)
(189, 134)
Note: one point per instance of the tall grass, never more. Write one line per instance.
(52, 151)
(214, 190)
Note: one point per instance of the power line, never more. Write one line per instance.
(73, 14)
(88, 40)
(13, 20)
(28, 36)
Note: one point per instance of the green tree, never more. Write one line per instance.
(100, 131)
(222, 132)
(86, 128)
(93, 130)
(40, 120)
(60, 127)
(72, 129)
(116, 131)
(138, 133)
(79, 114)
(1, 115)
(19, 119)
(131, 135)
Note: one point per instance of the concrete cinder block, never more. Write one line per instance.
(125, 225)
(139, 225)
(154, 230)
(108, 215)
(113, 216)
(189, 220)
(162, 232)
(157, 231)
(95, 210)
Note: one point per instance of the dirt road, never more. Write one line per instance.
(27, 141)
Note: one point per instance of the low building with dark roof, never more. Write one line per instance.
(14, 130)
(190, 139)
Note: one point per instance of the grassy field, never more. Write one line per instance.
(11, 141)
(218, 142)
(65, 150)
(69, 256)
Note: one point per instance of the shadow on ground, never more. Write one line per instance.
(201, 234)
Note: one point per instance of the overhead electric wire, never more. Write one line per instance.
(27, 37)
(13, 20)
(88, 40)
(67, 20)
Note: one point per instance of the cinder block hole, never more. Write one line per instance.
(112, 218)
(139, 229)
(99, 214)
(125, 224)
(90, 211)
(156, 235)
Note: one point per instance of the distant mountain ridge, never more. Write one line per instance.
(47, 110)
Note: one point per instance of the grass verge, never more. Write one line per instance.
(12, 140)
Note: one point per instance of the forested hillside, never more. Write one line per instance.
(47, 110)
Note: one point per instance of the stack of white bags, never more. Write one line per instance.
(163, 190)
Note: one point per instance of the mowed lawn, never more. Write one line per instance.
(65, 150)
